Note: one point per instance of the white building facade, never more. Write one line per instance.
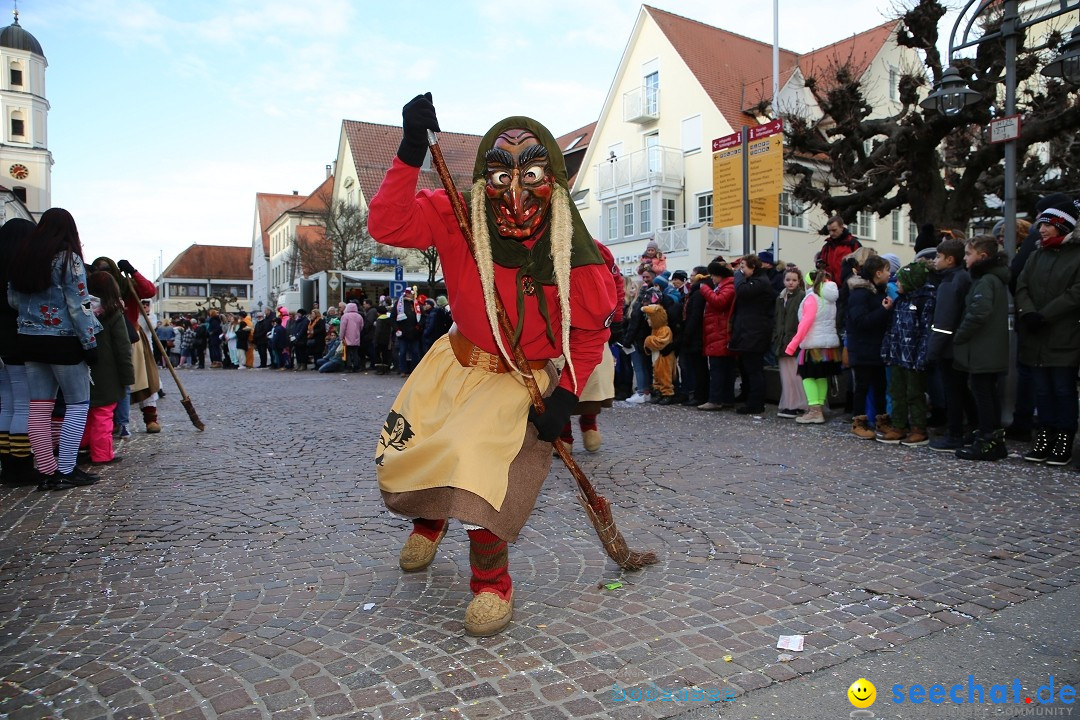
(25, 160)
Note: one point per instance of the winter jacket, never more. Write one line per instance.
(438, 324)
(279, 337)
(113, 372)
(368, 331)
(383, 330)
(786, 319)
(262, 331)
(752, 321)
(351, 326)
(833, 253)
(817, 320)
(298, 330)
(716, 324)
(865, 323)
(981, 342)
(953, 287)
(57, 323)
(408, 327)
(908, 337)
(693, 330)
(1049, 284)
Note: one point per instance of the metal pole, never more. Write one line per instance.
(745, 134)
(775, 93)
(1008, 29)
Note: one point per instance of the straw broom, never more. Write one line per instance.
(596, 506)
(184, 399)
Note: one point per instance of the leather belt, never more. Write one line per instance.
(469, 355)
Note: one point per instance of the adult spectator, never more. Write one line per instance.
(244, 347)
(298, 339)
(331, 361)
(693, 365)
(263, 323)
(215, 337)
(166, 333)
(367, 335)
(839, 244)
(751, 330)
(351, 330)
(768, 262)
(718, 293)
(407, 332)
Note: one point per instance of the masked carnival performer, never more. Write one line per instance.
(461, 440)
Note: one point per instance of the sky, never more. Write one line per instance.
(168, 117)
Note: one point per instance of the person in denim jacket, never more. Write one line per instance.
(57, 335)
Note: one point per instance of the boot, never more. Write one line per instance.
(590, 433)
(492, 606)
(149, 415)
(1061, 452)
(890, 435)
(419, 549)
(1044, 439)
(21, 469)
(988, 447)
(861, 429)
(915, 437)
(882, 424)
(813, 416)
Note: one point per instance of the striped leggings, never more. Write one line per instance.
(44, 380)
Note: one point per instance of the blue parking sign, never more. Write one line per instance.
(397, 288)
(399, 272)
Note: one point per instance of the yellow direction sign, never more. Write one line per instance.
(765, 144)
(727, 180)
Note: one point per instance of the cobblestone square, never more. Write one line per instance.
(250, 571)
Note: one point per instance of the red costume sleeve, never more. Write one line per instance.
(144, 289)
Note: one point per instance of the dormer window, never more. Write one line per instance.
(16, 76)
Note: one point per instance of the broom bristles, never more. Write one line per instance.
(610, 537)
(192, 415)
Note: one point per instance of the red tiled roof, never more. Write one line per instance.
(860, 50)
(218, 262)
(317, 201)
(374, 147)
(722, 61)
(269, 207)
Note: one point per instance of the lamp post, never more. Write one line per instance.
(951, 94)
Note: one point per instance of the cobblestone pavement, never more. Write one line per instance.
(250, 571)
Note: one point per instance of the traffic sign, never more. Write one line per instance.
(399, 272)
(397, 289)
(1005, 129)
(383, 261)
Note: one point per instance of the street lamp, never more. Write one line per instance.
(951, 95)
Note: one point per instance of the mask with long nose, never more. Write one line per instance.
(519, 185)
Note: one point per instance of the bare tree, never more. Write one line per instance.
(351, 246)
(310, 255)
(430, 260)
(941, 166)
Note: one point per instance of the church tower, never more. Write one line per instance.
(25, 160)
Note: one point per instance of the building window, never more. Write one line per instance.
(704, 209)
(645, 214)
(238, 291)
(17, 127)
(792, 212)
(628, 219)
(612, 213)
(894, 83)
(652, 93)
(667, 213)
(912, 231)
(16, 76)
(187, 290)
(652, 151)
(864, 225)
(20, 192)
(896, 232)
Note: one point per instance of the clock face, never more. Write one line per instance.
(19, 171)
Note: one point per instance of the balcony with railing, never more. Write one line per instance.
(654, 167)
(641, 105)
(701, 241)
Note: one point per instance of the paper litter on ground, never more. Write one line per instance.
(790, 642)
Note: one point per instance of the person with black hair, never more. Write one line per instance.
(114, 371)
(751, 330)
(953, 285)
(14, 394)
(58, 340)
(865, 325)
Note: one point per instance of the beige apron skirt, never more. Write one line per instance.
(457, 443)
(600, 389)
(146, 375)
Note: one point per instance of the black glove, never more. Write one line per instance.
(557, 409)
(90, 356)
(417, 117)
(1033, 321)
(125, 267)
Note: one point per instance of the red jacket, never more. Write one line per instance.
(833, 253)
(719, 304)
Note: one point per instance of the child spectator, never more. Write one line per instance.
(904, 350)
(719, 294)
(981, 342)
(652, 260)
(865, 325)
(112, 373)
(660, 339)
(1048, 301)
(792, 395)
(953, 285)
(818, 344)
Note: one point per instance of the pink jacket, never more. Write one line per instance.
(352, 323)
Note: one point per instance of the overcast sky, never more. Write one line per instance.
(167, 117)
